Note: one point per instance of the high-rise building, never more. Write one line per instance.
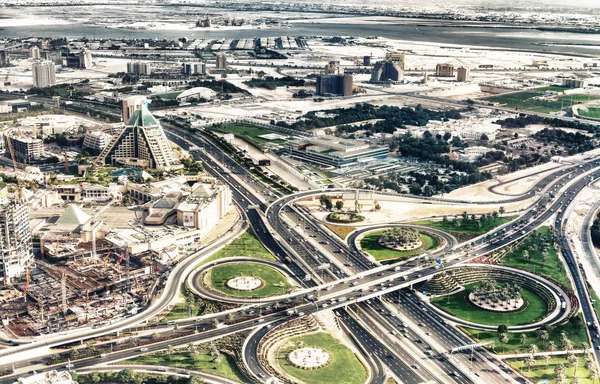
(4, 59)
(130, 104)
(53, 56)
(16, 249)
(139, 68)
(221, 61)
(141, 144)
(463, 74)
(34, 52)
(193, 68)
(44, 74)
(26, 149)
(444, 70)
(397, 57)
(335, 85)
(85, 59)
(386, 70)
(367, 61)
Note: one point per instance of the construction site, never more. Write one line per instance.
(78, 288)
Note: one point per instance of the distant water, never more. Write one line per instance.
(491, 37)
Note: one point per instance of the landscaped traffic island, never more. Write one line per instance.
(398, 243)
(247, 279)
(494, 307)
(320, 358)
(345, 217)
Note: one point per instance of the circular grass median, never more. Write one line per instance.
(274, 283)
(344, 367)
(458, 305)
(370, 244)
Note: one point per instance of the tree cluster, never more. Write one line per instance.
(390, 118)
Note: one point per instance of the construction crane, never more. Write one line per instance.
(106, 258)
(120, 260)
(11, 150)
(66, 162)
(27, 279)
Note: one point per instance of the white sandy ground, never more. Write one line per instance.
(408, 210)
(479, 192)
(277, 166)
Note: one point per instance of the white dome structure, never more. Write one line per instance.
(196, 93)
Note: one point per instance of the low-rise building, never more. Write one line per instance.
(331, 151)
(96, 140)
(204, 207)
(444, 70)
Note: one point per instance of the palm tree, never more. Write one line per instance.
(543, 336)
(530, 362)
(593, 375)
(523, 340)
(503, 339)
(574, 361)
(585, 347)
(546, 359)
(552, 346)
(501, 210)
(525, 255)
(533, 349)
(559, 371)
(169, 351)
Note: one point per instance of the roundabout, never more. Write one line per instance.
(246, 279)
(399, 242)
(241, 280)
(485, 296)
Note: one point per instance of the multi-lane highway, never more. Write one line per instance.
(289, 233)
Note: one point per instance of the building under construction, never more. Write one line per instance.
(16, 252)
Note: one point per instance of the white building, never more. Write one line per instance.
(474, 153)
(96, 139)
(44, 74)
(204, 207)
(51, 377)
(139, 68)
(48, 125)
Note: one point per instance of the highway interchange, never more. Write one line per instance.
(378, 313)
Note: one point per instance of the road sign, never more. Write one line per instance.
(438, 261)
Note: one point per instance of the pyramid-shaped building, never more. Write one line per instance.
(141, 144)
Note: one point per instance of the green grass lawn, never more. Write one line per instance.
(467, 229)
(274, 282)
(545, 371)
(595, 300)
(458, 305)
(575, 333)
(345, 367)
(526, 100)
(226, 367)
(181, 310)
(246, 245)
(370, 243)
(555, 88)
(590, 112)
(552, 267)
